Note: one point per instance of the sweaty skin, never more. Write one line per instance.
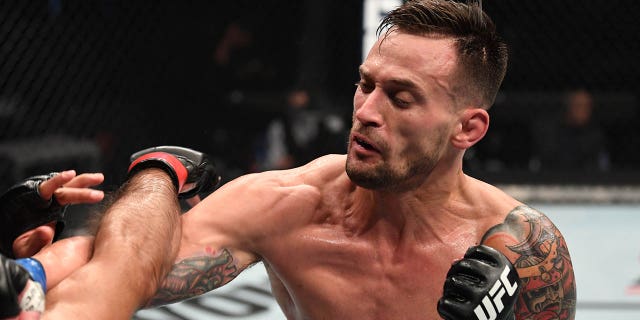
(336, 250)
(332, 251)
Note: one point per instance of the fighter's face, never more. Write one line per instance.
(403, 112)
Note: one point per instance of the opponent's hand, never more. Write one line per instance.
(192, 171)
(21, 288)
(483, 285)
(42, 199)
(69, 188)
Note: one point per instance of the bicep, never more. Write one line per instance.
(210, 256)
(540, 254)
(222, 236)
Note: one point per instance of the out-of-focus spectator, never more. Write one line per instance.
(308, 127)
(242, 76)
(573, 141)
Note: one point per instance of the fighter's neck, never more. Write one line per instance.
(428, 210)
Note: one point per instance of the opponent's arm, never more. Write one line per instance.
(32, 211)
(137, 234)
(67, 188)
(136, 242)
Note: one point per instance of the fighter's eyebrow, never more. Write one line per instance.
(399, 82)
(363, 73)
(404, 83)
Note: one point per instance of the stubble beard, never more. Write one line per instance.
(383, 176)
(410, 173)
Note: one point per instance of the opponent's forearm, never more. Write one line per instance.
(135, 246)
(138, 238)
(141, 230)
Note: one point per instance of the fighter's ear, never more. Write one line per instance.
(473, 125)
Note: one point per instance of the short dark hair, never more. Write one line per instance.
(482, 54)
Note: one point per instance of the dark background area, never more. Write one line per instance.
(83, 84)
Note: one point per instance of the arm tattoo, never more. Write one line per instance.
(543, 263)
(195, 276)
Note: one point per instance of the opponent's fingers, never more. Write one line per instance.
(85, 180)
(49, 186)
(66, 196)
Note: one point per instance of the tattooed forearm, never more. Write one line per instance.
(542, 258)
(195, 276)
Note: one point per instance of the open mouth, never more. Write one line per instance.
(364, 144)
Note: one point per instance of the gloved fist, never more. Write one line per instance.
(22, 209)
(22, 287)
(483, 285)
(192, 172)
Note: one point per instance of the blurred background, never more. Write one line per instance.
(268, 85)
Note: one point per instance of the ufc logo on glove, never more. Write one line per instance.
(484, 285)
(502, 286)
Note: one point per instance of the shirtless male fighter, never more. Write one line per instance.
(394, 229)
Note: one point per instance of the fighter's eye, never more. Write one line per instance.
(365, 87)
(402, 99)
(400, 102)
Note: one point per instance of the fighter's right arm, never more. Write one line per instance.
(211, 251)
(224, 234)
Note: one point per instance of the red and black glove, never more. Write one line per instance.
(483, 285)
(192, 172)
(22, 209)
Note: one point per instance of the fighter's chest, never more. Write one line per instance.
(378, 279)
(415, 265)
(376, 255)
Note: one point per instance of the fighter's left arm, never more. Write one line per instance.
(539, 252)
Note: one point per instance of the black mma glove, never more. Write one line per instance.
(192, 172)
(483, 285)
(22, 209)
(22, 287)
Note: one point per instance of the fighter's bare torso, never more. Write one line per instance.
(350, 255)
(334, 250)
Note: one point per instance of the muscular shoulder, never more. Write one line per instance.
(523, 225)
(325, 169)
(319, 177)
(539, 252)
(315, 175)
(294, 192)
